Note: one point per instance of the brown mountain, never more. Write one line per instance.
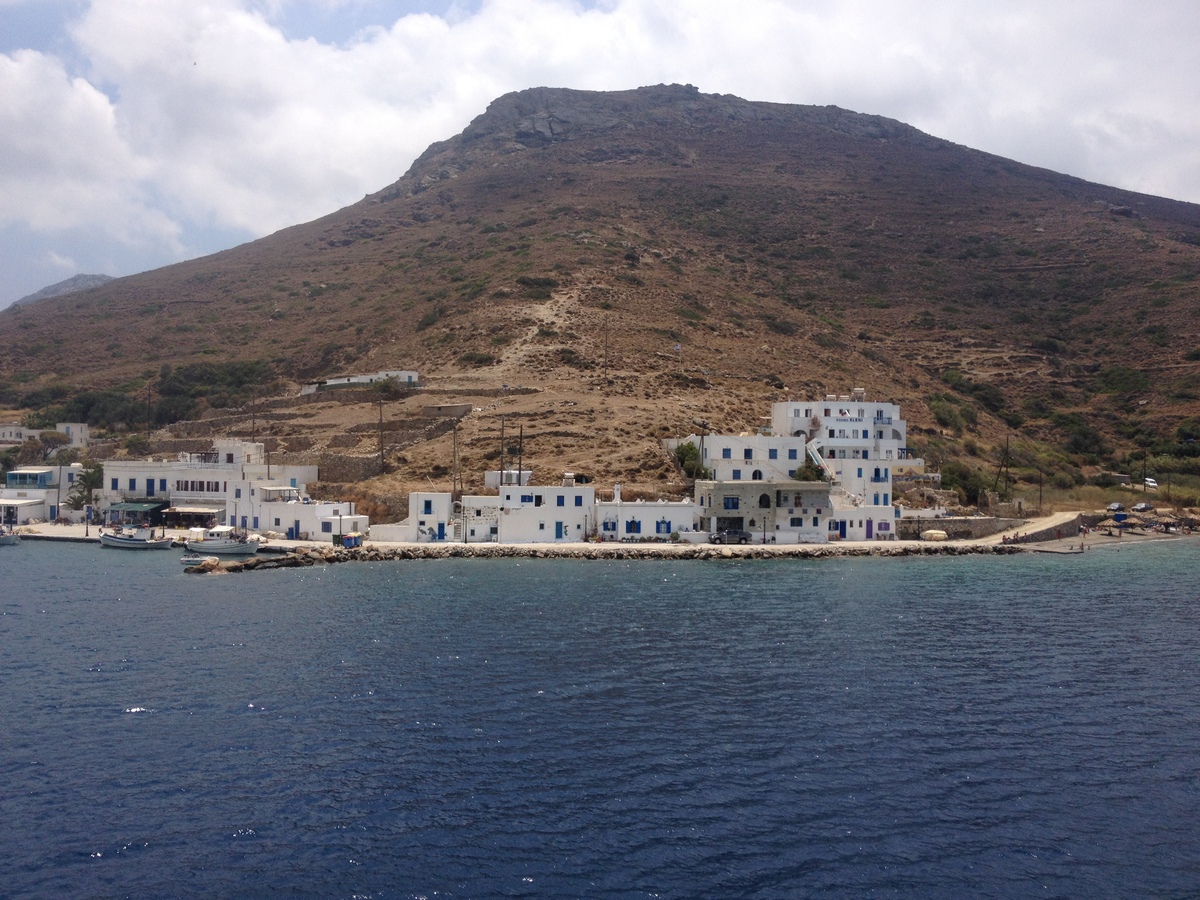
(786, 251)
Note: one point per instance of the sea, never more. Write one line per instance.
(984, 726)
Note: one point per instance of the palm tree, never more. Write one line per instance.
(87, 482)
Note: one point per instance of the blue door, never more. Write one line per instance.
(558, 531)
(842, 529)
(870, 526)
(441, 531)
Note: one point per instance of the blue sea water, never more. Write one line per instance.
(934, 727)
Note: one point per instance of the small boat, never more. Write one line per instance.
(8, 538)
(194, 559)
(139, 538)
(223, 540)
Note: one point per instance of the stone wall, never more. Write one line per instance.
(957, 528)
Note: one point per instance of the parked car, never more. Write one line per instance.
(1143, 507)
(1116, 507)
(729, 536)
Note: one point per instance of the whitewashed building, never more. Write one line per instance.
(231, 485)
(39, 494)
(399, 376)
(858, 442)
(641, 520)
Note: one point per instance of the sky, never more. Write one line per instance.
(138, 133)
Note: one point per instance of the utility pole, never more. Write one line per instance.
(381, 432)
(606, 349)
(456, 486)
(503, 455)
(521, 455)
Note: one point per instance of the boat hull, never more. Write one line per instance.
(134, 543)
(223, 548)
(9, 540)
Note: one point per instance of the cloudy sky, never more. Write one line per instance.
(136, 133)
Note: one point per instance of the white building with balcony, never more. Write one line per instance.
(219, 485)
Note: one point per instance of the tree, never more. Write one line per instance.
(87, 482)
(688, 457)
(810, 471)
(52, 442)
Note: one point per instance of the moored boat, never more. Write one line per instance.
(222, 540)
(140, 538)
(194, 559)
(8, 538)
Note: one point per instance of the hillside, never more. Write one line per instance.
(787, 250)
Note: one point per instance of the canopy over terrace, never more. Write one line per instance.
(10, 510)
(195, 514)
(131, 512)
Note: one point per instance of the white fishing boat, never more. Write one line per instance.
(223, 540)
(8, 538)
(138, 538)
(194, 559)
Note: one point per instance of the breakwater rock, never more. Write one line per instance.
(314, 556)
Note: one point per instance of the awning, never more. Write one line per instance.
(135, 507)
(196, 510)
(14, 502)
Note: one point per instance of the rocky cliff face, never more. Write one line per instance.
(633, 121)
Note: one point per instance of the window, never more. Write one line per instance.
(815, 522)
(792, 453)
(662, 526)
(114, 485)
(885, 500)
(427, 507)
(772, 453)
(756, 475)
(527, 498)
(537, 499)
(747, 453)
(562, 501)
(327, 527)
(579, 500)
(276, 523)
(237, 492)
(860, 471)
(726, 453)
(256, 523)
(737, 474)
(609, 525)
(133, 484)
(229, 458)
(764, 501)
(791, 473)
(541, 526)
(731, 503)
(71, 477)
(633, 526)
(831, 432)
(162, 484)
(796, 522)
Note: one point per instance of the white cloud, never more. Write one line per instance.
(203, 114)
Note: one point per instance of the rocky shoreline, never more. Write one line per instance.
(329, 555)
